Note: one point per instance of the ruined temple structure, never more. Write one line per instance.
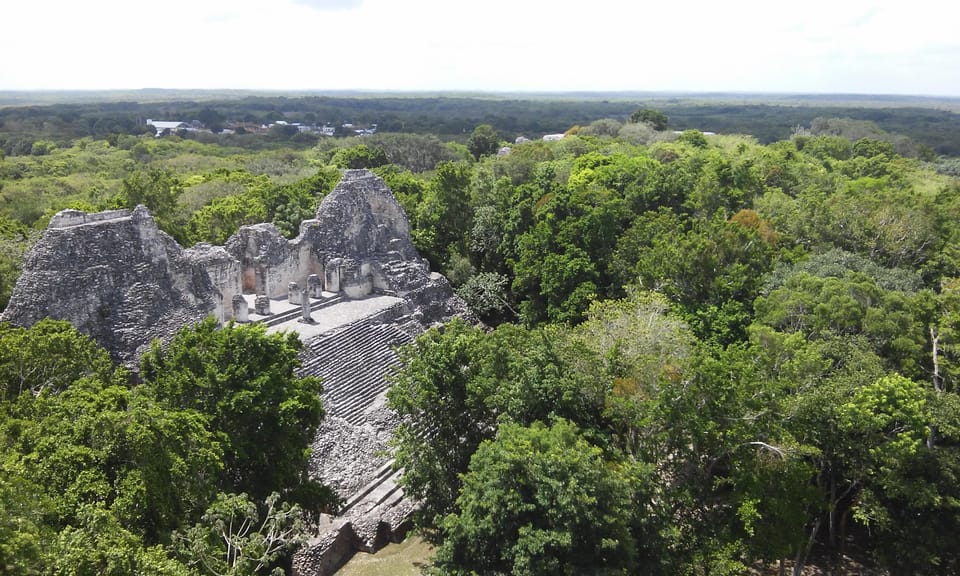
(351, 284)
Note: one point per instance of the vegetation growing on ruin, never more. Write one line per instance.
(705, 352)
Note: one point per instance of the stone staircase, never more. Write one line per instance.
(383, 489)
(353, 362)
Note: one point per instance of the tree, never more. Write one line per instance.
(906, 490)
(605, 127)
(694, 138)
(655, 118)
(287, 205)
(47, 358)
(243, 379)
(564, 285)
(211, 119)
(158, 190)
(282, 132)
(485, 294)
(892, 322)
(102, 443)
(869, 147)
(441, 399)
(22, 530)
(221, 218)
(360, 156)
(234, 538)
(483, 141)
(15, 240)
(540, 500)
(99, 545)
(443, 217)
(413, 152)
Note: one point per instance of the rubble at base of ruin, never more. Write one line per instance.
(120, 279)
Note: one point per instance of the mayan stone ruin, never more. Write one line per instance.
(351, 284)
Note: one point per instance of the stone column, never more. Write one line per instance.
(293, 293)
(240, 311)
(305, 307)
(262, 305)
(315, 286)
(332, 275)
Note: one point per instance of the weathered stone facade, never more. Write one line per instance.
(115, 276)
(118, 278)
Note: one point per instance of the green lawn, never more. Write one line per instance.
(403, 559)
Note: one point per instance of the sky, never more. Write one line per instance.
(800, 46)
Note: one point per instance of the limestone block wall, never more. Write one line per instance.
(268, 261)
(68, 218)
(224, 272)
(331, 274)
(114, 276)
(309, 262)
(356, 280)
(120, 279)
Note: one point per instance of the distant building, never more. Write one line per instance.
(521, 140)
(247, 127)
(552, 137)
(162, 126)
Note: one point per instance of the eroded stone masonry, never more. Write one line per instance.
(351, 284)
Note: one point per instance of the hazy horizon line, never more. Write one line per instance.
(668, 92)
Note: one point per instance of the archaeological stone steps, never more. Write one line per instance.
(382, 488)
(353, 362)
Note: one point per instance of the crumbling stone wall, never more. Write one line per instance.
(120, 279)
(115, 276)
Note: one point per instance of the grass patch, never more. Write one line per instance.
(404, 559)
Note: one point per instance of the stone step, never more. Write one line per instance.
(353, 362)
(383, 473)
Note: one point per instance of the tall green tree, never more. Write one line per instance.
(441, 398)
(444, 215)
(244, 380)
(235, 538)
(655, 118)
(158, 190)
(47, 358)
(483, 141)
(540, 500)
